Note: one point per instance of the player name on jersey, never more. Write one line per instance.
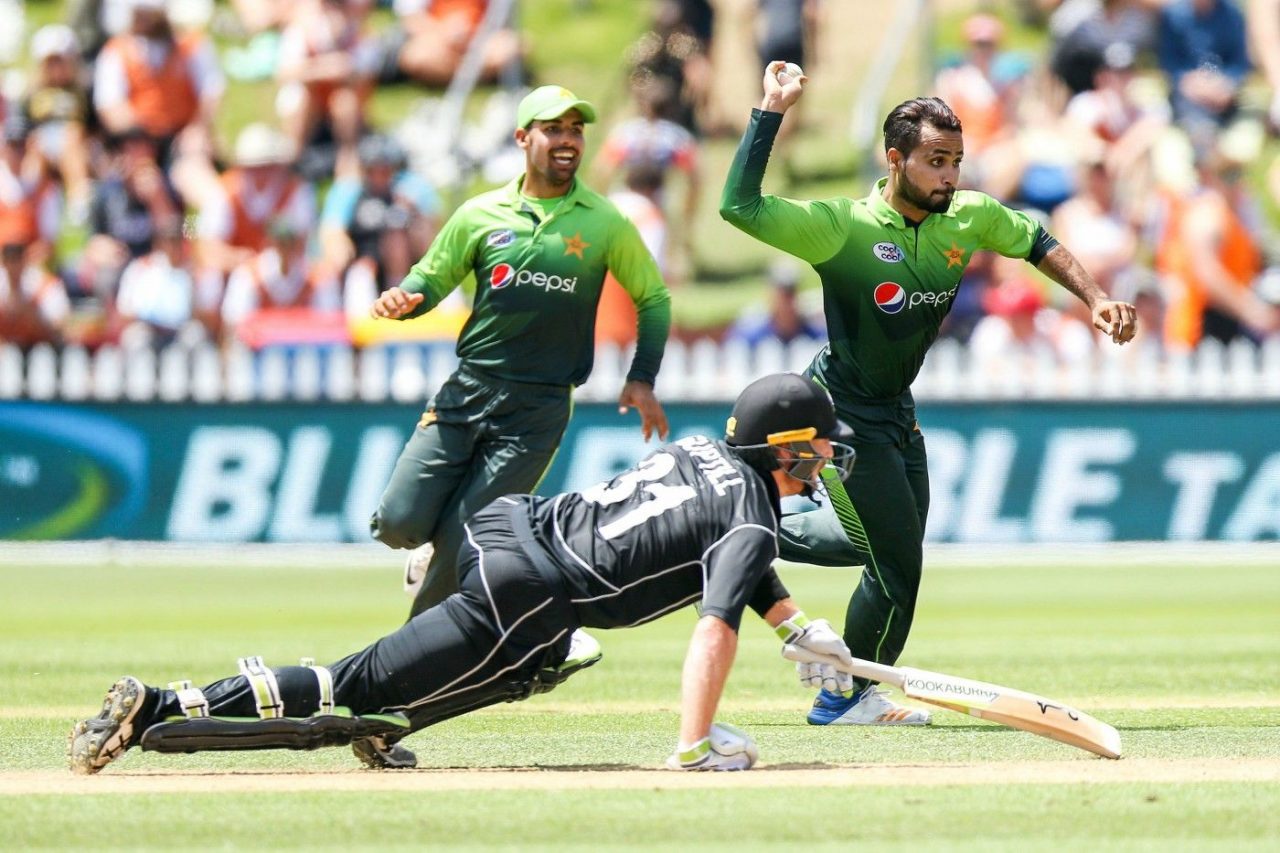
(711, 463)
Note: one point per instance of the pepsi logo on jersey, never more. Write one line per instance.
(504, 274)
(891, 298)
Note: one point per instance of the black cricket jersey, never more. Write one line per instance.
(691, 523)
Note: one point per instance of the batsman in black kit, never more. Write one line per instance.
(696, 522)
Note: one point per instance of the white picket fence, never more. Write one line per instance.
(704, 370)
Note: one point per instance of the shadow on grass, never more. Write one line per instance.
(347, 771)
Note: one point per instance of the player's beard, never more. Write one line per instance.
(937, 202)
(558, 175)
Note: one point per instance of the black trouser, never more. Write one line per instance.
(889, 489)
(482, 645)
(481, 437)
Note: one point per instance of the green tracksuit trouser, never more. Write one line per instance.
(480, 437)
(889, 492)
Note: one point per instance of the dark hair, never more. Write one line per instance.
(902, 125)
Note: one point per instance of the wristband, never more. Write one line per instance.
(789, 630)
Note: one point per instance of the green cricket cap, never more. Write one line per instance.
(548, 102)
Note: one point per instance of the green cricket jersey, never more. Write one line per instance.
(539, 270)
(886, 285)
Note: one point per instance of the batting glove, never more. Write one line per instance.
(726, 747)
(819, 637)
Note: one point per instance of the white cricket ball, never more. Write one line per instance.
(789, 72)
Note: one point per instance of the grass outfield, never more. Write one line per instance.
(1180, 654)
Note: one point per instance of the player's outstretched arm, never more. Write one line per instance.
(395, 303)
(639, 395)
(812, 231)
(705, 744)
(706, 669)
(1116, 319)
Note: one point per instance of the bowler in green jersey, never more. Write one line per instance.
(539, 249)
(890, 264)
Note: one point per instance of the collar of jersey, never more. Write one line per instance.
(577, 193)
(885, 213)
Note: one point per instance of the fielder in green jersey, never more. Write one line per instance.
(539, 248)
(890, 264)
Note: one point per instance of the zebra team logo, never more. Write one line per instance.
(498, 239)
(890, 297)
(502, 275)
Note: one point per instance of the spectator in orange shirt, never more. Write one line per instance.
(166, 84)
(981, 100)
(259, 188)
(150, 78)
(1211, 257)
(33, 302)
(434, 35)
(30, 204)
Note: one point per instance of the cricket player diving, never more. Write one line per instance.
(695, 522)
(539, 249)
(889, 264)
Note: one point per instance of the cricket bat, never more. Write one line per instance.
(1013, 708)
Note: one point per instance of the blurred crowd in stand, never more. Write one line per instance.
(1131, 142)
(125, 219)
(122, 218)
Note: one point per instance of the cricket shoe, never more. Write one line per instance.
(376, 754)
(95, 743)
(868, 708)
(415, 568)
(584, 651)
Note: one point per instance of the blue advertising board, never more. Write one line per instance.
(1025, 472)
